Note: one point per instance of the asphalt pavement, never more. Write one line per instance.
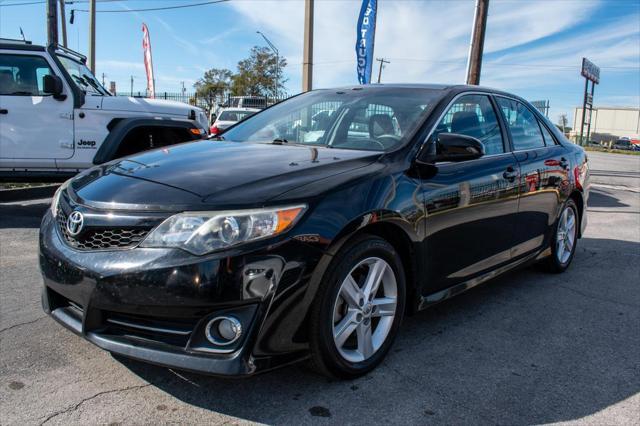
(526, 348)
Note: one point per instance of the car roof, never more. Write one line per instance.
(422, 86)
(9, 44)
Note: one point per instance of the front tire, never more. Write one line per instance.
(564, 240)
(358, 310)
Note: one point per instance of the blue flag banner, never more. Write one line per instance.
(365, 40)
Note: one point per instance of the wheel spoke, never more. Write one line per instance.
(365, 341)
(560, 249)
(344, 328)
(350, 292)
(570, 223)
(374, 278)
(384, 307)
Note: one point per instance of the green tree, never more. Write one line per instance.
(214, 85)
(257, 74)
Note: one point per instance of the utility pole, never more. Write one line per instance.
(63, 22)
(103, 79)
(307, 61)
(132, 86)
(382, 62)
(52, 22)
(92, 36)
(474, 63)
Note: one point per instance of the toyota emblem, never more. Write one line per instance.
(74, 223)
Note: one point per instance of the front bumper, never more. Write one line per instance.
(154, 304)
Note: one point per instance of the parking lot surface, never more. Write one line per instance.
(526, 348)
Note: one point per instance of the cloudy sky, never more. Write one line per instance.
(533, 48)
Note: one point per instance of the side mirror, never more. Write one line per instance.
(52, 84)
(457, 147)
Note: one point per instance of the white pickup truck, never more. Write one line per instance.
(56, 118)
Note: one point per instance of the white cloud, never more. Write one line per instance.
(426, 41)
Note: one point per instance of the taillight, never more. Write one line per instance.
(214, 130)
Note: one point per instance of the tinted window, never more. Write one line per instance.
(548, 139)
(523, 125)
(22, 75)
(473, 115)
(377, 119)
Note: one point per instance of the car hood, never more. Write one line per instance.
(152, 106)
(210, 174)
(224, 124)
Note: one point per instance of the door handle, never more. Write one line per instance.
(564, 163)
(510, 174)
(4, 111)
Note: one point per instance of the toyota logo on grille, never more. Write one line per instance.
(74, 223)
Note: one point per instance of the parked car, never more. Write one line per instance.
(228, 117)
(56, 118)
(624, 144)
(263, 249)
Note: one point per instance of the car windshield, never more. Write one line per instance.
(83, 77)
(374, 119)
(234, 115)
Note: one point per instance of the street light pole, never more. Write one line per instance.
(275, 50)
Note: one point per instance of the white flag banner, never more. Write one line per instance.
(148, 63)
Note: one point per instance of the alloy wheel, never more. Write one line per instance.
(566, 235)
(365, 309)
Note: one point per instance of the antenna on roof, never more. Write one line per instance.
(22, 34)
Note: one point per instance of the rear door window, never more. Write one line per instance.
(549, 140)
(523, 125)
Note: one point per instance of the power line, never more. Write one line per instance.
(156, 8)
(72, 2)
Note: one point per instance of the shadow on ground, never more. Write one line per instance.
(602, 198)
(526, 348)
(22, 215)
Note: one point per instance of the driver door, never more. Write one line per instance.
(471, 206)
(35, 128)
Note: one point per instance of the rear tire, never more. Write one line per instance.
(357, 312)
(564, 240)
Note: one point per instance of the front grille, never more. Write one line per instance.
(101, 238)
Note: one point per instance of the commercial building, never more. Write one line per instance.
(609, 123)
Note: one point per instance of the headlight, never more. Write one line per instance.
(203, 232)
(55, 202)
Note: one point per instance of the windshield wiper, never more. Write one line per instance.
(22, 93)
(80, 80)
(93, 83)
(279, 141)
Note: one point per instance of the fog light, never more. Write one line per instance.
(223, 331)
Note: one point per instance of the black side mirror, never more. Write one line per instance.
(52, 84)
(457, 147)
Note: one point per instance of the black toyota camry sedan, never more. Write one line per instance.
(309, 230)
